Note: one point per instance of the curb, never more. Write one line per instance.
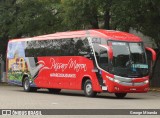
(155, 89)
(4, 83)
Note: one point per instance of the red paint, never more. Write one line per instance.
(108, 34)
(153, 53)
(54, 67)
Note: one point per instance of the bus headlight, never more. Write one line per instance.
(115, 80)
(110, 78)
(146, 82)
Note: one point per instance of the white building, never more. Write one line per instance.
(148, 41)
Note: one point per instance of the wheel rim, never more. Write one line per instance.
(88, 88)
(26, 84)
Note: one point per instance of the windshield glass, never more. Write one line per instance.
(129, 59)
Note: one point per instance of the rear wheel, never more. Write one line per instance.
(56, 91)
(120, 95)
(26, 85)
(88, 89)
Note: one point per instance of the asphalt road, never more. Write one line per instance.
(13, 97)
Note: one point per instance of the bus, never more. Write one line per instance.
(94, 61)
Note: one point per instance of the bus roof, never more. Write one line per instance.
(107, 34)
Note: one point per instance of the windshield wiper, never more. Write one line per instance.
(129, 63)
(131, 66)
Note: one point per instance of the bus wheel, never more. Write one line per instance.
(26, 86)
(56, 91)
(120, 95)
(88, 89)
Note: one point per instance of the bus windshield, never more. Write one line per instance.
(129, 59)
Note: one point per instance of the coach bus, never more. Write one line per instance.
(91, 60)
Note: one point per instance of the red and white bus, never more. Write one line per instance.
(91, 60)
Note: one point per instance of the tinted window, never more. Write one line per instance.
(100, 52)
(103, 59)
(57, 47)
(82, 46)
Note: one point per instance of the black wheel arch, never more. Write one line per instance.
(84, 80)
(24, 76)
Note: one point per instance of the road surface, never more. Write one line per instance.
(13, 97)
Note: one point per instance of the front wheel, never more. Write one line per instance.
(88, 89)
(120, 95)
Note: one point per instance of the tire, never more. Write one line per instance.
(56, 91)
(26, 86)
(120, 95)
(88, 89)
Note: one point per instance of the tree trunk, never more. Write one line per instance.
(107, 20)
(155, 82)
(94, 21)
(107, 16)
(3, 42)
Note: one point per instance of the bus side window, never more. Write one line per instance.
(103, 59)
(82, 47)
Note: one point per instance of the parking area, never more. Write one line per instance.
(13, 97)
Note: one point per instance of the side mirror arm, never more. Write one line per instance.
(153, 60)
(153, 55)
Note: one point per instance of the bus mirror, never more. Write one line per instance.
(152, 63)
(109, 50)
(153, 54)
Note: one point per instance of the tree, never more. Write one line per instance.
(25, 18)
(6, 19)
(143, 16)
(37, 17)
(84, 14)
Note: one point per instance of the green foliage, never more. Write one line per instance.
(150, 24)
(25, 18)
(36, 17)
(85, 14)
(142, 15)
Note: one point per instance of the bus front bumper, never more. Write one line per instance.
(128, 86)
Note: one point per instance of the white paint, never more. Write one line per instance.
(71, 64)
